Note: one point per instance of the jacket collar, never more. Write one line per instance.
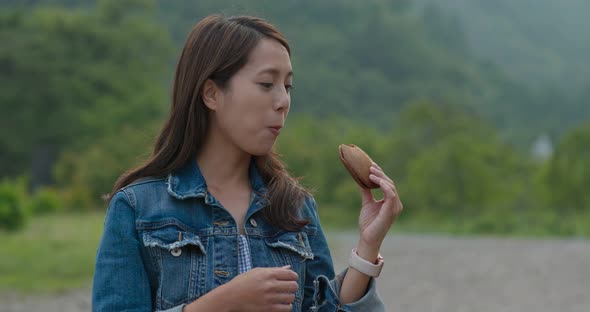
(188, 181)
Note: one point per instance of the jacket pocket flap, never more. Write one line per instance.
(170, 237)
(294, 241)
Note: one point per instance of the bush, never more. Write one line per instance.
(12, 213)
(45, 201)
(566, 177)
(88, 175)
(77, 198)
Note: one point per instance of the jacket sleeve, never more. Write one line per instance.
(120, 280)
(322, 287)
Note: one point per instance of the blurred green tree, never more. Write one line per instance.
(567, 175)
(70, 77)
(450, 163)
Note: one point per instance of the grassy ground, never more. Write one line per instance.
(57, 252)
(53, 253)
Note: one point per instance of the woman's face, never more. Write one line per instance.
(251, 111)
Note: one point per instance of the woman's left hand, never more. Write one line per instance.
(376, 217)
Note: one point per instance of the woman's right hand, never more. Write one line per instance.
(260, 289)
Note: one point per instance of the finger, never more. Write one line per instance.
(399, 208)
(283, 274)
(391, 204)
(388, 192)
(278, 307)
(287, 287)
(366, 196)
(377, 180)
(386, 178)
(376, 165)
(378, 172)
(284, 298)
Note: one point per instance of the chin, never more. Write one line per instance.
(259, 150)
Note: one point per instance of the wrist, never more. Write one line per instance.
(364, 266)
(215, 300)
(367, 252)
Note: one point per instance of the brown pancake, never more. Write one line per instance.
(358, 163)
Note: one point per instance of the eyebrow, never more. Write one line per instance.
(275, 71)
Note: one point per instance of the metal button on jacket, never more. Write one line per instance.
(253, 222)
(176, 252)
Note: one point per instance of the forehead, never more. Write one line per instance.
(268, 56)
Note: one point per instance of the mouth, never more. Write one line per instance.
(276, 130)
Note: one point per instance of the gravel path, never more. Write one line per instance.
(438, 273)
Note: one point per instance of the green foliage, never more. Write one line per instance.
(423, 124)
(82, 74)
(567, 175)
(385, 54)
(90, 174)
(449, 164)
(405, 83)
(459, 176)
(116, 10)
(13, 215)
(518, 36)
(46, 201)
(77, 197)
(310, 148)
(368, 59)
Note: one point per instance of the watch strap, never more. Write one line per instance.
(364, 266)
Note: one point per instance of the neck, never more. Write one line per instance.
(222, 163)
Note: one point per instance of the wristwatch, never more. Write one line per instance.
(364, 266)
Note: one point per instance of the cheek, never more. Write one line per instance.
(243, 119)
(241, 122)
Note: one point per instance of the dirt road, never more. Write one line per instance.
(437, 273)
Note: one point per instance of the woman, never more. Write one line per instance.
(212, 221)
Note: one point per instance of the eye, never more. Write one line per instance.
(266, 85)
(289, 88)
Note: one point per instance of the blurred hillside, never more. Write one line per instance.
(519, 64)
(542, 44)
(449, 110)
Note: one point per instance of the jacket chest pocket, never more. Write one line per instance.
(291, 248)
(178, 257)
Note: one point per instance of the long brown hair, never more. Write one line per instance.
(216, 49)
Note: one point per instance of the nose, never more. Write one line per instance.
(283, 101)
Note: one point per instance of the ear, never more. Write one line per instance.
(210, 94)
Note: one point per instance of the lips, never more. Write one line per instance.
(276, 130)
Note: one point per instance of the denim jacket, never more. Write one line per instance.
(167, 241)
